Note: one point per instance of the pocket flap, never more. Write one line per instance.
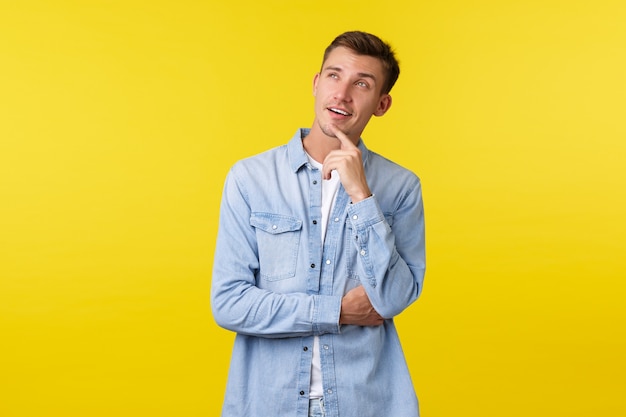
(275, 223)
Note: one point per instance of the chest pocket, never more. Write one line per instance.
(278, 239)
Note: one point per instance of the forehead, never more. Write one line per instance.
(347, 60)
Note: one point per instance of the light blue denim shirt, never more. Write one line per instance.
(277, 286)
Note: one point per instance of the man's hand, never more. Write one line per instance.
(348, 162)
(357, 309)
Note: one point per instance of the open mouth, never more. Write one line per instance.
(339, 111)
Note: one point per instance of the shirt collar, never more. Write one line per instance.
(297, 155)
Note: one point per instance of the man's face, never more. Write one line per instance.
(348, 91)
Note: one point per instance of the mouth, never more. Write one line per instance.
(339, 111)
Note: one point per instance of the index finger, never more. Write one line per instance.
(343, 138)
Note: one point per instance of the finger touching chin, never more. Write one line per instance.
(329, 130)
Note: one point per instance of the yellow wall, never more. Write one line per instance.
(119, 120)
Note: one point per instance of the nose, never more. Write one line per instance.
(342, 91)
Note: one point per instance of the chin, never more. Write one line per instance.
(325, 129)
(329, 132)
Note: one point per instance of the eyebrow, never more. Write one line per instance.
(360, 74)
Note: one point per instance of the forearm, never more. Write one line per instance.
(249, 310)
(390, 262)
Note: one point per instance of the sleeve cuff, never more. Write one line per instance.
(326, 311)
(365, 213)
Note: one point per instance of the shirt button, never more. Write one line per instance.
(305, 348)
(327, 261)
(314, 182)
(314, 221)
(363, 252)
(312, 265)
(336, 219)
(326, 347)
(301, 392)
(330, 391)
(355, 217)
(274, 227)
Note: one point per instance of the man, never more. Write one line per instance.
(320, 245)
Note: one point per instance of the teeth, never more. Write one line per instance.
(345, 113)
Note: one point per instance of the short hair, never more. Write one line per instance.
(363, 43)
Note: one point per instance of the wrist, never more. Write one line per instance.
(360, 197)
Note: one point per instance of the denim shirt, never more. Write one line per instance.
(277, 286)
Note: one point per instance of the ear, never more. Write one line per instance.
(383, 105)
(315, 79)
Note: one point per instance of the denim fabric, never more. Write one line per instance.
(277, 286)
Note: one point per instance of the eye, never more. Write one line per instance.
(333, 75)
(362, 84)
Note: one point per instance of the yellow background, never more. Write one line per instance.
(119, 120)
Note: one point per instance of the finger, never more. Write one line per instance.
(326, 172)
(343, 138)
(330, 163)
